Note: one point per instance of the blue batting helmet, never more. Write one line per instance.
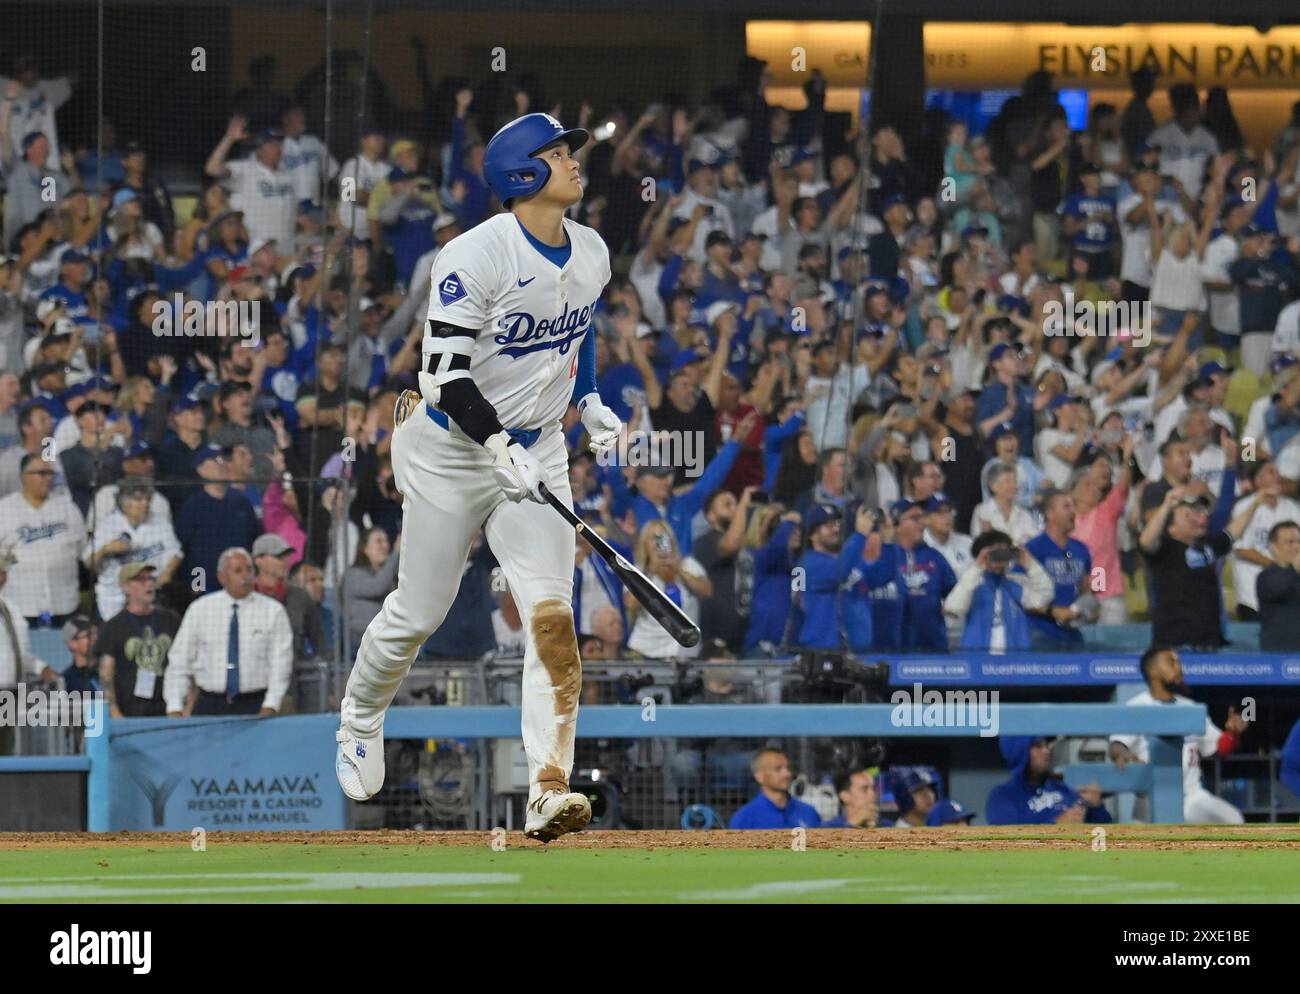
(907, 780)
(508, 163)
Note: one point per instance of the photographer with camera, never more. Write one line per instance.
(995, 594)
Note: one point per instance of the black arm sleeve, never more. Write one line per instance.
(460, 399)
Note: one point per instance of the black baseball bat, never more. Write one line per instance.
(654, 600)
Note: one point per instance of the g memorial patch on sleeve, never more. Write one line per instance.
(450, 290)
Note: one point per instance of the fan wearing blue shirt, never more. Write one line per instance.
(907, 609)
(772, 806)
(1069, 564)
(718, 283)
(1088, 220)
(74, 276)
(789, 420)
(1005, 398)
(1290, 770)
(620, 380)
(407, 219)
(214, 518)
(827, 565)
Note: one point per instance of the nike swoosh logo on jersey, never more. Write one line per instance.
(527, 281)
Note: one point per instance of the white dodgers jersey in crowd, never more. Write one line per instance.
(531, 315)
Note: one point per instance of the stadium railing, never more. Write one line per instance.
(278, 773)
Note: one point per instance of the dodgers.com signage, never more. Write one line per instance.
(1084, 669)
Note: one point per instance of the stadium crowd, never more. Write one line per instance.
(1023, 382)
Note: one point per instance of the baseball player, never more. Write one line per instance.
(505, 349)
(1163, 670)
(916, 796)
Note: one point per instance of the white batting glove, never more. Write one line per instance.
(602, 424)
(515, 469)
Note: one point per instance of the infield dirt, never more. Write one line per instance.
(1036, 837)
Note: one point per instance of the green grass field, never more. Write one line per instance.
(968, 867)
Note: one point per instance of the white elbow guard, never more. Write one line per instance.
(429, 389)
(443, 359)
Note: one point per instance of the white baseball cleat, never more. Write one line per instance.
(359, 763)
(557, 813)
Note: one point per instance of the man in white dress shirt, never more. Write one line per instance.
(235, 644)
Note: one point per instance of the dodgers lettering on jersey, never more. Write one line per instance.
(268, 199)
(531, 315)
(1046, 801)
(48, 542)
(303, 158)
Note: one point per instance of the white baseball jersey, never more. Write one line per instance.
(14, 669)
(152, 541)
(304, 158)
(367, 175)
(34, 109)
(1135, 264)
(1255, 425)
(1169, 416)
(1225, 308)
(650, 638)
(1255, 538)
(48, 542)
(1286, 333)
(717, 218)
(1194, 746)
(956, 550)
(1183, 153)
(267, 197)
(531, 315)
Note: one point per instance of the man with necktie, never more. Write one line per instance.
(235, 645)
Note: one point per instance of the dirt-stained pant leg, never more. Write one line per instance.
(535, 547)
(1200, 807)
(447, 490)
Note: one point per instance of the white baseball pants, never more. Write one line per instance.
(449, 494)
